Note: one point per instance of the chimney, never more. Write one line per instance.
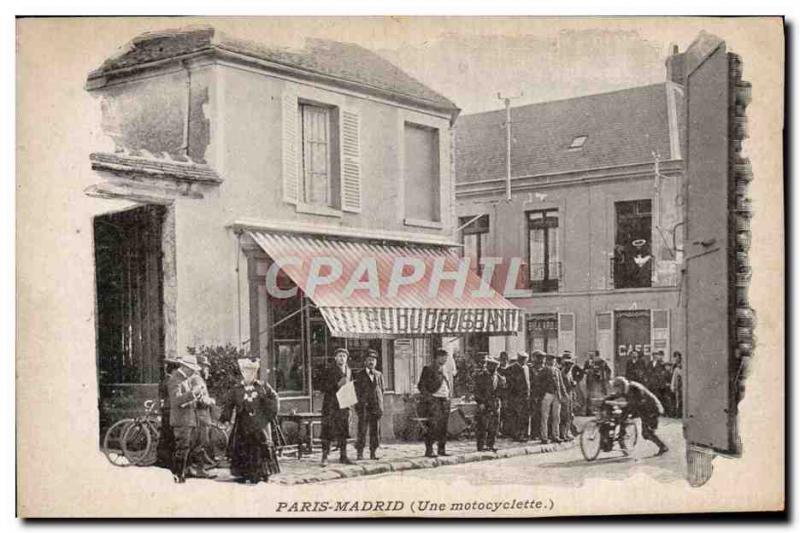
(675, 66)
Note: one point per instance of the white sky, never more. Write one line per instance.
(471, 59)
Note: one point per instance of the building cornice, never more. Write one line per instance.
(341, 232)
(667, 168)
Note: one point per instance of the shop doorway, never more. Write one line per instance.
(542, 333)
(130, 317)
(631, 332)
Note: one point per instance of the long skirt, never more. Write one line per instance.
(252, 454)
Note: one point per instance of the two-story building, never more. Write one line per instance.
(594, 215)
(247, 168)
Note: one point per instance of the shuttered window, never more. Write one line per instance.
(659, 334)
(566, 332)
(321, 155)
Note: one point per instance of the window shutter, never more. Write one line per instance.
(290, 145)
(659, 331)
(604, 337)
(566, 332)
(351, 162)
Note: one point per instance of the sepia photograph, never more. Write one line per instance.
(441, 267)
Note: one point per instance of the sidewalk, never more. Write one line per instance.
(395, 457)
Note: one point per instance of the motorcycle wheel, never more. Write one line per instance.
(591, 440)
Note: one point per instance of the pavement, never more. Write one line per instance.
(566, 466)
(397, 457)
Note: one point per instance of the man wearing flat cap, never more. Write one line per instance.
(519, 394)
(553, 393)
(488, 385)
(369, 391)
(335, 419)
(435, 388)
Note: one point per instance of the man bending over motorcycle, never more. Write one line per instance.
(639, 403)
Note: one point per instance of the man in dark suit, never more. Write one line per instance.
(335, 418)
(519, 392)
(369, 391)
(635, 368)
(435, 391)
(537, 366)
(488, 386)
(183, 398)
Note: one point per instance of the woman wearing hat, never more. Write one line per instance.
(252, 405)
(335, 420)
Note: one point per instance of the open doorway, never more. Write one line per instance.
(130, 316)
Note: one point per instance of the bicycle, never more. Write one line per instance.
(141, 436)
(602, 433)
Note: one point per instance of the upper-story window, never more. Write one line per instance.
(474, 235)
(421, 173)
(633, 262)
(543, 250)
(319, 181)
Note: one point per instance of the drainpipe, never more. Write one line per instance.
(187, 110)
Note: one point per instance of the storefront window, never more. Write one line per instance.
(543, 333)
(288, 366)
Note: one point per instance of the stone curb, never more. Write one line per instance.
(423, 462)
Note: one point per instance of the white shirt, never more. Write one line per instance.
(444, 389)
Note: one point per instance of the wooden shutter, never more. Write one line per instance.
(659, 331)
(290, 147)
(566, 332)
(351, 162)
(604, 337)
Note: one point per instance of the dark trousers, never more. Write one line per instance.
(522, 417)
(567, 415)
(437, 411)
(536, 417)
(368, 422)
(486, 423)
(185, 437)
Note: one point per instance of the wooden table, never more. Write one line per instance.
(303, 421)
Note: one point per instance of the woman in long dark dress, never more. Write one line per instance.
(253, 405)
(335, 420)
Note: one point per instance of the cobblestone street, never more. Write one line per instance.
(396, 457)
(567, 467)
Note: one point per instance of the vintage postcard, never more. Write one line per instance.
(399, 267)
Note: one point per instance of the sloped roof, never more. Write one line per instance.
(621, 127)
(335, 60)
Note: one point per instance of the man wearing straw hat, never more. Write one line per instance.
(183, 416)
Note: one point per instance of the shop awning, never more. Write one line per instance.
(375, 290)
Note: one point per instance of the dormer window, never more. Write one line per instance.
(578, 142)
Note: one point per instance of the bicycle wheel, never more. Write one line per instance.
(136, 442)
(591, 439)
(112, 442)
(631, 436)
(217, 445)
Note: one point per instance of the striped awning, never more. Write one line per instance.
(377, 290)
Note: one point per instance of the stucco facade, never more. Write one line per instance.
(224, 115)
(582, 194)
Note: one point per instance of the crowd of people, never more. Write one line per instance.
(531, 398)
(538, 399)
